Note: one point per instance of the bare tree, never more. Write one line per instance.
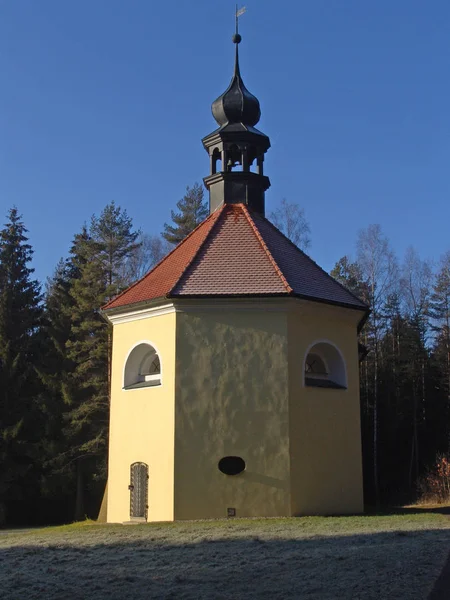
(416, 286)
(290, 218)
(379, 269)
(151, 249)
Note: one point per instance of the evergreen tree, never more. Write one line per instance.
(115, 241)
(393, 456)
(402, 373)
(58, 482)
(85, 388)
(20, 321)
(404, 383)
(440, 315)
(93, 274)
(350, 276)
(440, 300)
(192, 211)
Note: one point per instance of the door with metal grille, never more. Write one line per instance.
(138, 490)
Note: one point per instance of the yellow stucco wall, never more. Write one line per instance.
(233, 386)
(142, 421)
(325, 437)
(231, 400)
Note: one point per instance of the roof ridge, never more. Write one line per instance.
(266, 249)
(314, 262)
(217, 214)
(105, 306)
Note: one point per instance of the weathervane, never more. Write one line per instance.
(239, 13)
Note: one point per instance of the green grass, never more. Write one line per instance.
(305, 525)
(317, 558)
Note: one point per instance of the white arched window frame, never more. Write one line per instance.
(142, 366)
(324, 366)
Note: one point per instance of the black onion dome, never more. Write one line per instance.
(236, 104)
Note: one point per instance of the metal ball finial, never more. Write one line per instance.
(237, 38)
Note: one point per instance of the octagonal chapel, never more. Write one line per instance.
(235, 378)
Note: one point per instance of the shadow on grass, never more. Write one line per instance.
(408, 510)
(195, 564)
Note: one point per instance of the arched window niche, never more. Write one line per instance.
(142, 367)
(325, 367)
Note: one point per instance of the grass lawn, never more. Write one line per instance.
(371, 557)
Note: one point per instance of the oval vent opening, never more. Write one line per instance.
(231, 465)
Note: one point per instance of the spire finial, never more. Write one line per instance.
(236, 142)
(237, 38)
(239, 12)
(236, 104)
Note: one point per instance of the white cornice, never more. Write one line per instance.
(143, 313)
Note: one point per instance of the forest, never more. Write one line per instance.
(55, 348)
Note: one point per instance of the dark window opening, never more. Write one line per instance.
(234, 158)
(325, 367)
(216, 161)
(231, 465)
(315, 365)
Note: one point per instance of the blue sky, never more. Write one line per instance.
(106, 100)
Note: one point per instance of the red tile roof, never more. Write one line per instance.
(162, 278)
(305, 276)
(236, 253)
(233, 260)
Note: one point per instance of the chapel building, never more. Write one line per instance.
(235, 371)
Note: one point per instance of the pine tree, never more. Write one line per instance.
(404, 379)
(85, 389)
(58, 482)
(98, 261)
(393, 456)
(349, 274)
(440, 315)
(20, 321)
(193, 210)
(116, 242)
